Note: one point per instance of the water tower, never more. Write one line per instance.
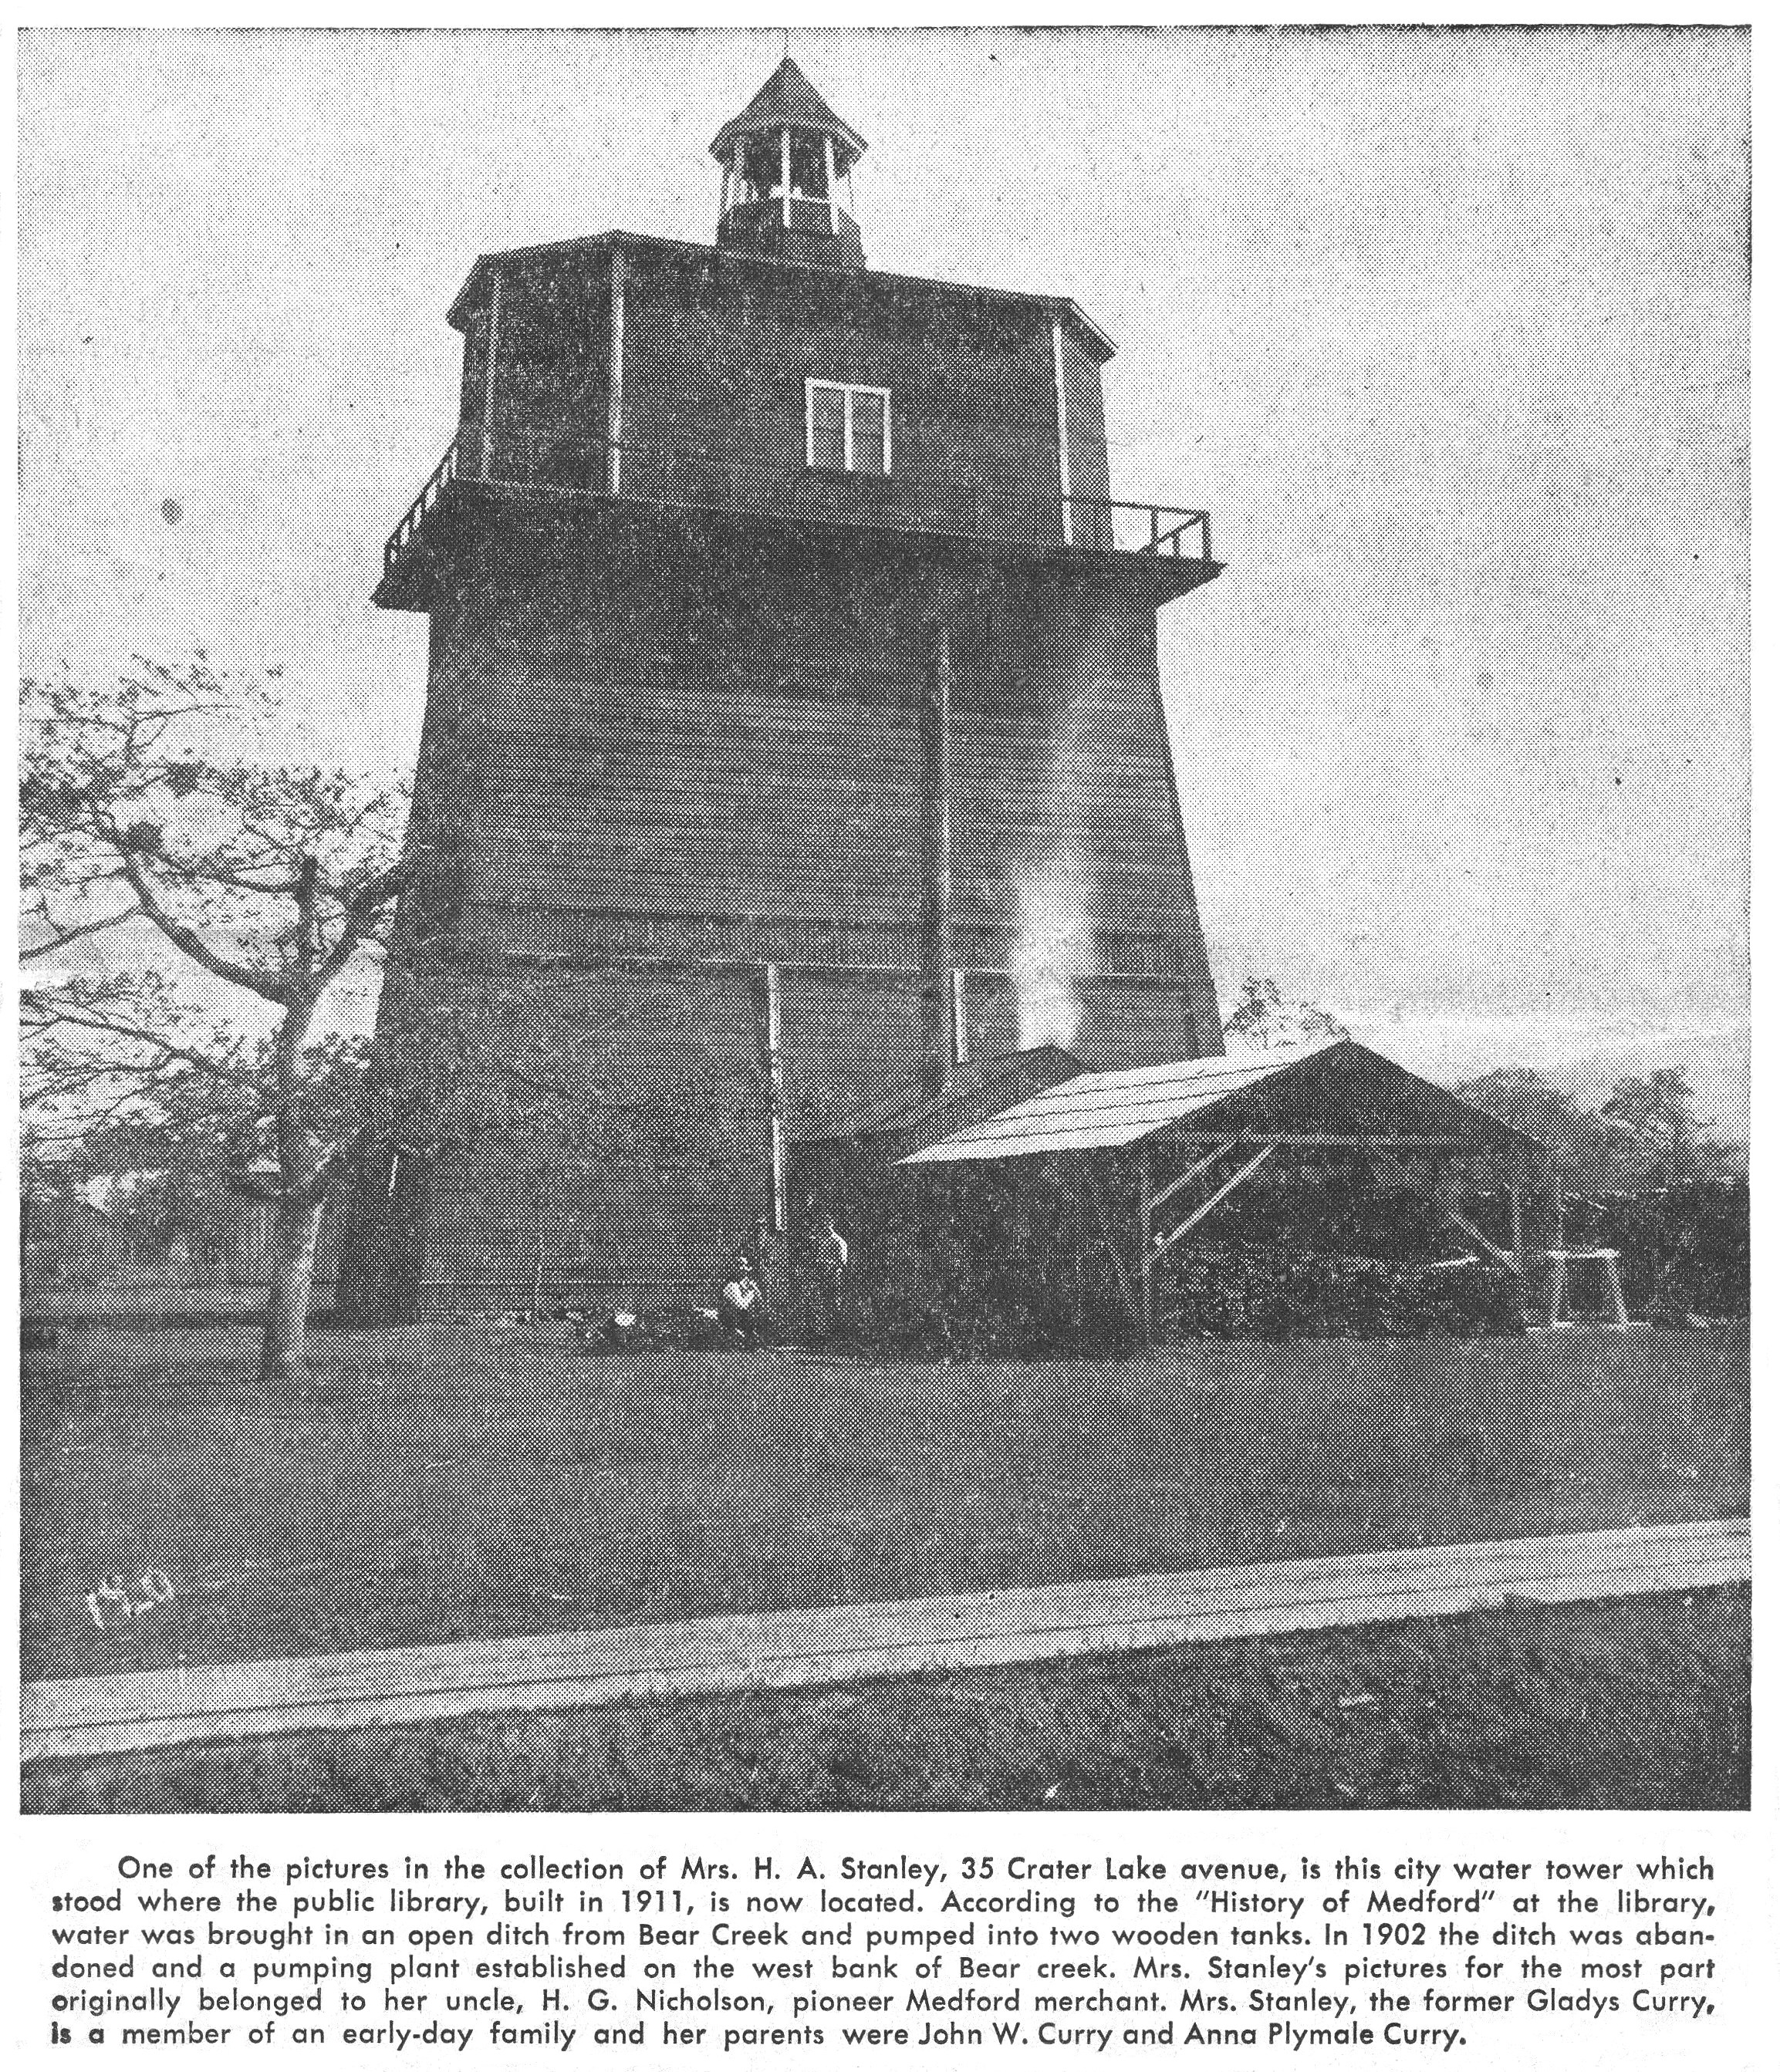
(793, 730)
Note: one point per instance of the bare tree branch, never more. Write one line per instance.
(120, 1030)
(63, 936)
(194, 945)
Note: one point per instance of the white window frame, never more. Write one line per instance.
(846, 390)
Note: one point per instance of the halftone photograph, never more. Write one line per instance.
(884, 920)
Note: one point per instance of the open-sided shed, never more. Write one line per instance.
(1147, 1155)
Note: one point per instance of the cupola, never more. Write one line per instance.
(787, 161)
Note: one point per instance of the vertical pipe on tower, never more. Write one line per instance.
(935, 723)
(959, 1033)
(772, 1047)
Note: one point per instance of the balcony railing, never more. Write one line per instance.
(547, 462)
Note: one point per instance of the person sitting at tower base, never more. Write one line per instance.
(743, 1308)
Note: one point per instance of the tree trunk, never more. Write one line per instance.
(296, 1230)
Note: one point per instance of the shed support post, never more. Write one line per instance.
(1115, 1249)
(1551, 1189)
(1559, 1288)
(1515, 1212)
(1146, 1250)
(1077, 1214)
(1441, 1172)
(1552, 1180)
(1615, 1292)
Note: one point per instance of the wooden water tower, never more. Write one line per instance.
(793, 729)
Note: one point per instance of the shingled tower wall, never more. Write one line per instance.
(688, 564)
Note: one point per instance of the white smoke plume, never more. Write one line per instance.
(1055, 896)
(1054, 948)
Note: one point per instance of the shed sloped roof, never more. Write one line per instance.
(983, 1086)
(1336, 1090)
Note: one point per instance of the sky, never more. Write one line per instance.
(1448, 329)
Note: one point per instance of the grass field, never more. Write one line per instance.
(1640, 1704)
(476, 1482)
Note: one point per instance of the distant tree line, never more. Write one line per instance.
(1647, 1133)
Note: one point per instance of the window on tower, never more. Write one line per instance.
(809, 175)
(758, 168)
(847, 428)
(762, 162)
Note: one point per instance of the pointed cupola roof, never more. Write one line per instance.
(787, 161)
(787, 101)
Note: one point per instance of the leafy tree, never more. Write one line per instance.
(274, 882)
(1528, 1100)
(1659, 1109)
(1645, 1134)
(1262, 1021)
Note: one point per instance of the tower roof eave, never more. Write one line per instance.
(1069, 312)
